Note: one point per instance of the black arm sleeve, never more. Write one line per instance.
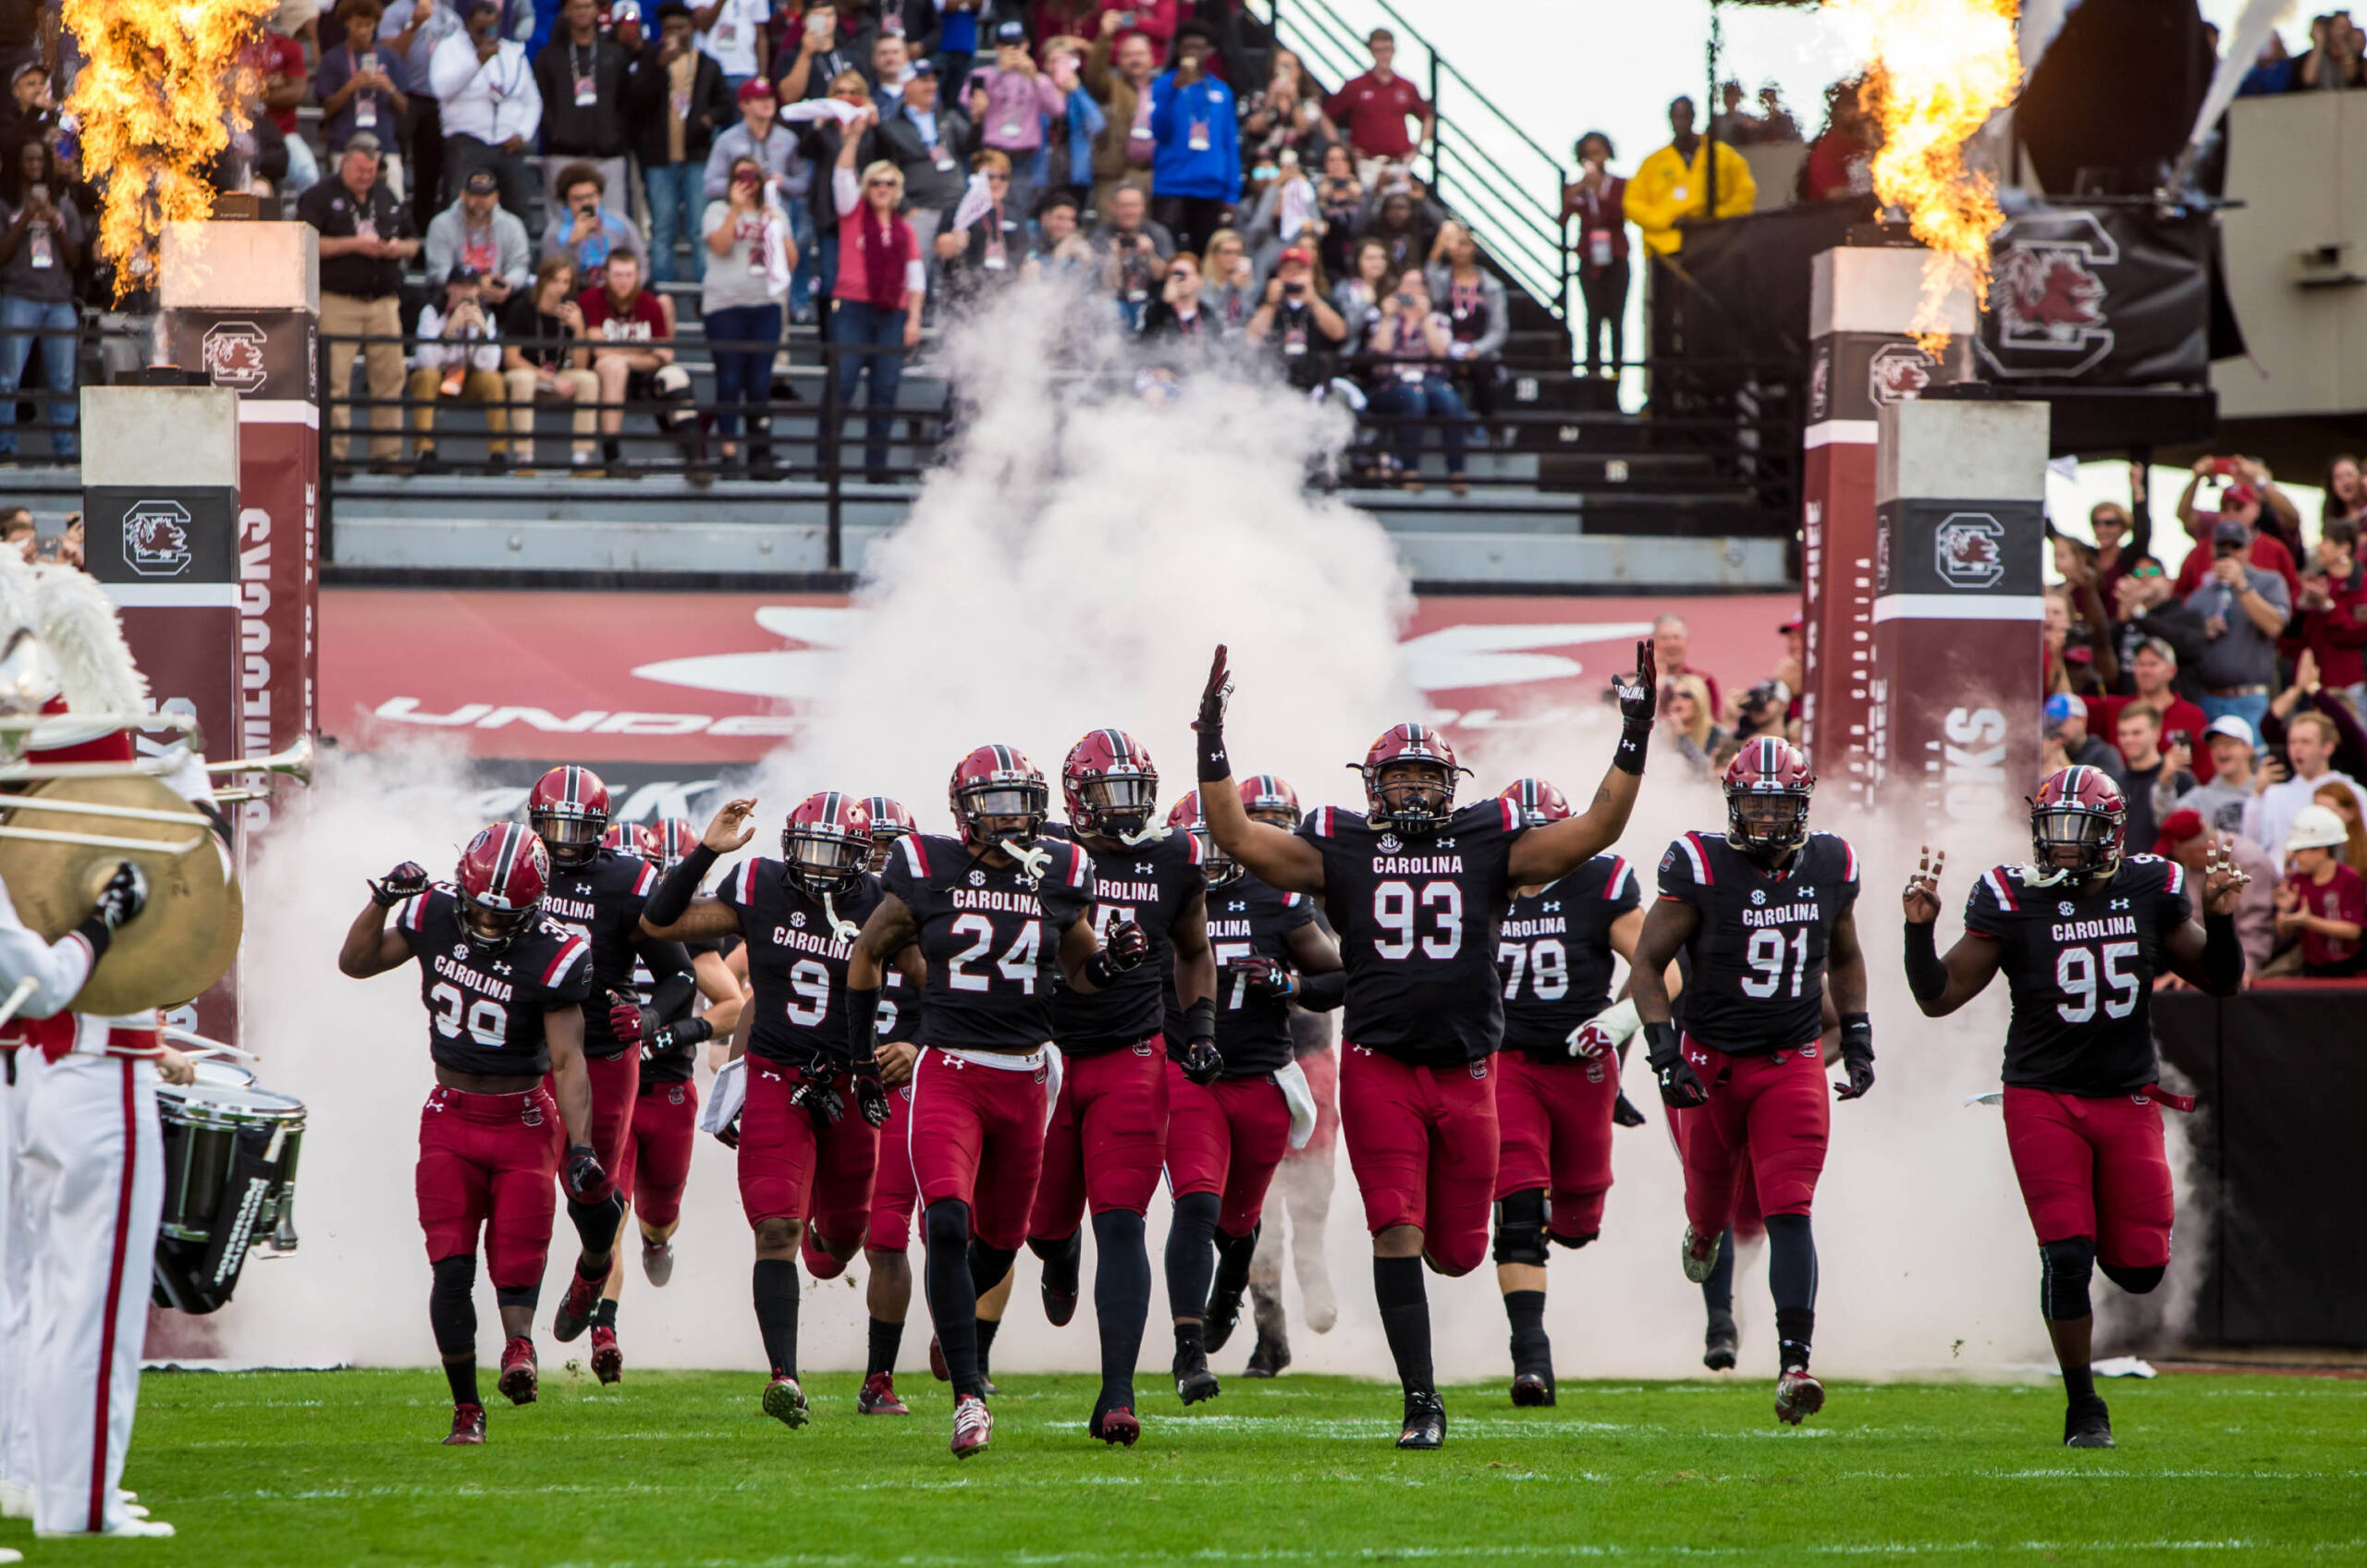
(673, 895)
(1322, 993)
(1926, 975)
(94, 931)
(2223, 955)
(862, 1023)
(675, 985)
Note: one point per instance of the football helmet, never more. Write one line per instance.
(501, 882)
(1269, 797)
(1421, 798)
(676, 840)
(632, 838)
(826, 841)
(997, 793)
(1184, 817)
(2079, 821)
(1539, 802)
(890, 822)
(1767, 787)
(568, 808)
(1110, 785)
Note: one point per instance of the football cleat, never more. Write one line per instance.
(937, 1367)
(879, 1397)
(1720, 1343)
(973, 1425)
(1223, 1317)
(1116, 1426)
(785, 1401)
(818, 1263)
(658, 1262)
(1532, 1391)
(1194, 1381)
(468, 1427)
(2088, 1425)
(1425, 1421)
(607, 1361)
(1059, 1281)
(575, 1312)
(1323, 1307)
(1271, 1358)
(1700, 1264)
(518, 1371)
(1797, 1395)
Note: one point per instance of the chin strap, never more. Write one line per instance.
(844, 930)
(1034, 862)
(1150, 832)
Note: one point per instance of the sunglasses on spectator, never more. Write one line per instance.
(881, 184)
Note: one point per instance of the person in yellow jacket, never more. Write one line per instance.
(1673, 184)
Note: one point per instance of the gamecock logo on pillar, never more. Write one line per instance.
(233, 354)
(1897, 374)
(1967, 550)
(155, 539)
(2048, 300)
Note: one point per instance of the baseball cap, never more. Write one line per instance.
(2177, 828)
(1011, 32)
(1298, 253)
(481, 183)
(464, 275)
(2316, 827)
(756, 87)
(2229, 530)
(2063, 705)
(924, 67)
(2234, 726)
(362, 142)
(1795, 624)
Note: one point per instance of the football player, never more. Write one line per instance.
(1417, 890)
(1557, 1080)
(1764, 910)
(597, 893)
(2081, 934)
(890, 822)
(809, 1125)
(1107, 1137)
(999, 913)
(504, 989)
(1225, 1137)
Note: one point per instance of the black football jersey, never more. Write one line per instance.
(1554, 952)
(601, 900)
(797, 962)
(2080, 967)
(1418, 920)
(1246, 919)
(991, 936)
(485, 1009)
(1148, 883)
(1758, 977)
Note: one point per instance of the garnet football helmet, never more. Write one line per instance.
(890, 822)
(1421, 797)
(632, 838)
(1269, 797)
(998, 785)
(1110, 785)
(826, 841)
(568, 807)
(1767, 786)
(1185, 817)
(501, 883)
(1539, 802)
(2078, 820)
(676, 840)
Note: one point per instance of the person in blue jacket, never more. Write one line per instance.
(1196, 169)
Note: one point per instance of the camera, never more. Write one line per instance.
(1294, 290)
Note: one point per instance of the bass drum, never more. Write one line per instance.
(230, 1152)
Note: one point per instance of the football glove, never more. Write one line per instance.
(1201, 1064)
(1681, 1087)
(1269, 976)
(406, 881)
(1857, 1057)
(584, 1176)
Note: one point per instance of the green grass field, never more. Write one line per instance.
(328, 1468)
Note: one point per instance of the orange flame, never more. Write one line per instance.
(1940, 70)
(156, 104)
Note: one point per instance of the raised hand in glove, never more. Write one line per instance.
(406, 881)
(871, 1099)
(1201, 1064)
(1126, 948)
(1269, 976)
(125, 895)
(584, 1176)
(628, 1020)
(1681, 1087)
(1638, 696)
(1624, 1112)
(1209, 725)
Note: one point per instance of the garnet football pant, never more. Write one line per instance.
(792, 1170)
(1226, 1138)
(1555, 1122)
(1422, 1142)
(616, 1087)
(489, 1163)
(93, 1174)
(893, 1192)
(1768, 1114)
(977, 1133)
(1323, 1069)
(658, 1156)
(2093, 1168)
(1106, 1140)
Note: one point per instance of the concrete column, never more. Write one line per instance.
(1953, 710)
(1862, 301)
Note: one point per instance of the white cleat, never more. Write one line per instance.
(1323, 1307)
(1700, 1264)
(130, 1530)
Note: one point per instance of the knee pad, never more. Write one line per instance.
(2064, 1268)
(2135, 1282)
(527, 1296)
(989, 1265)
(946, 1223)
(1573, 1243)
(597, 1219)
(1199, 1210)
(451, 1304)
(1520, 1228)
(1117, 1225)
(1049, 1249)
